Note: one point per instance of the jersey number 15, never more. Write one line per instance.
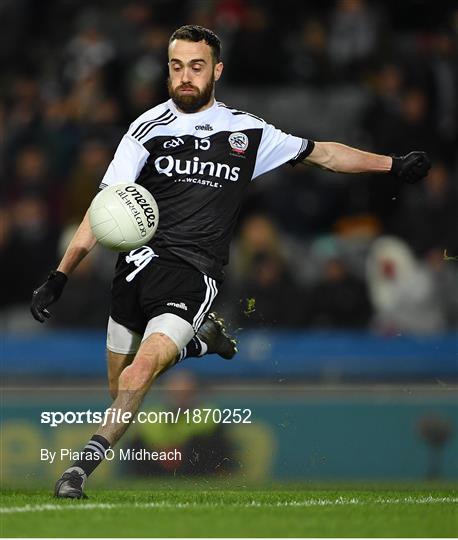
(202, 144)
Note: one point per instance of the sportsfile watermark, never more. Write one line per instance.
(117, 416)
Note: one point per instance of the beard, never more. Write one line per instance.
(191, 103)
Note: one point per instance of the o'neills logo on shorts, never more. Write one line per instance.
(131, 192)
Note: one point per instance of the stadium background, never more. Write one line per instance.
(339, 288)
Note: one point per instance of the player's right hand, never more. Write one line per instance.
(47, 294)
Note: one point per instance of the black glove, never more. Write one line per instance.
(47, 294)
(411, 168)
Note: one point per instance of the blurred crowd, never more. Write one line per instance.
(322, 251)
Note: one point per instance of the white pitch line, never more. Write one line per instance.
(340, 501)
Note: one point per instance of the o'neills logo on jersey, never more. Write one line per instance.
(169, 166)
(204, 127)
(131, 192)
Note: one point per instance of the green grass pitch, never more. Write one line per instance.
(317, 512)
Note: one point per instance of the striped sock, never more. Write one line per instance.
(196, 347)
(92, 455)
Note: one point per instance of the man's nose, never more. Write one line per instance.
(185, 76)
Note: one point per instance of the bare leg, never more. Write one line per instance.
(212, 333)
(155, 355)
(116, 363)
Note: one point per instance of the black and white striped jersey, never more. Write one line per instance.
(197, 166)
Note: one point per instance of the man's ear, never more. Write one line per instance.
(218, 70)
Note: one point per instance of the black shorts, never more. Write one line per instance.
(151, 283)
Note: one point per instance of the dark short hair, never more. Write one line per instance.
(193, 32)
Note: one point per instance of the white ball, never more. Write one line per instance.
(123, 216)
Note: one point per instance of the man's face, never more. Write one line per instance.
(192, 74)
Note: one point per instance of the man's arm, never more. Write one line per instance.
(340, 158)
(81, 244)
(129, 158)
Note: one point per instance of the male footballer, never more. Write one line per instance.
(196, 156)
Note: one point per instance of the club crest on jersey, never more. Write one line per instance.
(238, 142)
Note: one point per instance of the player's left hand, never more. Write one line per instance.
(411, 168)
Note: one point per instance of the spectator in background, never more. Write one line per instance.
(228, 17)
(444, 90)
(127, 27)
(339, 299)
(444, 269)
(427, 220)
(105, 124)
(150, 63)
(31, 178)
(402, 290)
(256, 57)
(83, 183)
(317, 202)
(88, 50)
(384, 108)
(266, 278)
(23, 105)
(308, 59)
(139, 96)
(85, 97)
(59, 135)
(353, 34)
(413, 128)
(29, 249)
(149, 66)
(2, 137)
(30, 173)
(201, 13)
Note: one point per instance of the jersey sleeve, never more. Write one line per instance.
(277, 148)
(128, 161)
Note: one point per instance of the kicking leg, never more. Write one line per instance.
(211, 338)
(122, 343)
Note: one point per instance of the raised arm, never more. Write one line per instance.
(340, 158)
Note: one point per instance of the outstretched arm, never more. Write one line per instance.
(340, 158)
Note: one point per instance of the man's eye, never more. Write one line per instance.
(197, 69)
(176, 68)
